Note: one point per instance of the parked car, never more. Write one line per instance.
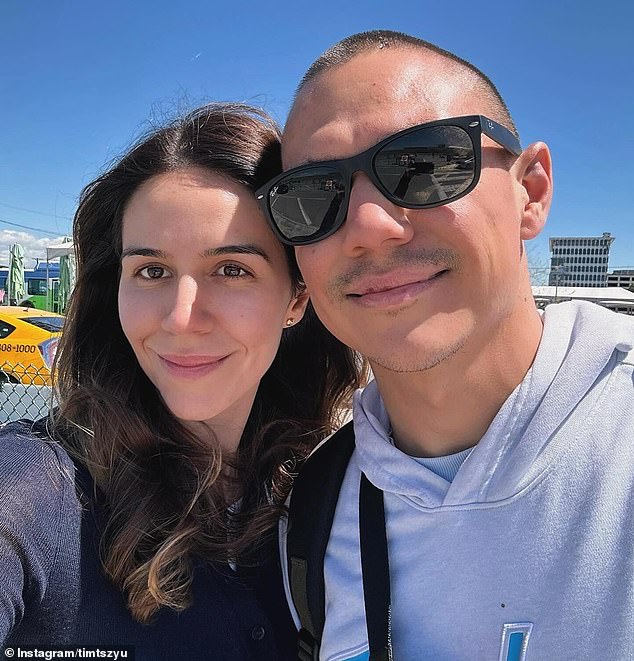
(28, 342)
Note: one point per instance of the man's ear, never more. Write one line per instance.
(534, 173)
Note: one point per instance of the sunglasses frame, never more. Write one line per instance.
(473, 125)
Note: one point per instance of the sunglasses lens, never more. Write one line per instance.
(305, 205)
(429, 166)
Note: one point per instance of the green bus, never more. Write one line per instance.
(39, 293)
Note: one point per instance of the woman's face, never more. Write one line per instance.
(204, 293)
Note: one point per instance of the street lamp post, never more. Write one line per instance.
(560, 271)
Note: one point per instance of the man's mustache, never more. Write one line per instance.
(403, 257)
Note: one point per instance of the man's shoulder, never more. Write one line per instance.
(334, 442)
(324, 469)
(590, 325)
(580, 310)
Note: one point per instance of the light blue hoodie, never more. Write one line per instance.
(529, 553)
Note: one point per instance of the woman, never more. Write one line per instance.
(192, 375)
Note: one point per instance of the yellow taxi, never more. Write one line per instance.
(28, 342)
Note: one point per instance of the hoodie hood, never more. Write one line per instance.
(581, 345)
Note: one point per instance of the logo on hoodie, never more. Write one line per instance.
(515, 641)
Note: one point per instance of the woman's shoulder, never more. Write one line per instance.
(33, 465)
(40, 525)
(39, 501)
(28, 445)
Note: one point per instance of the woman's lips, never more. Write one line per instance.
(191, 366)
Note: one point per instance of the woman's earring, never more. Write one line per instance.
(290, 321)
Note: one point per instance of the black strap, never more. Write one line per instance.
(311, 512)
(376, 570)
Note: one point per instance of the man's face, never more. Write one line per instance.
(408, 288)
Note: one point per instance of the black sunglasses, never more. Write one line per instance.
(420, 167)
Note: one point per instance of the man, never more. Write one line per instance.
(501, 440)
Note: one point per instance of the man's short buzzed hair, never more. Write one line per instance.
(347, 48)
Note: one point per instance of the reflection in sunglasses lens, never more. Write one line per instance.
(427, 166)
(307, 203)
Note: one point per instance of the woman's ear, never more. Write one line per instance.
(533, 169)
(297, 307)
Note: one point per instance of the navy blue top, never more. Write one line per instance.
(53, 590)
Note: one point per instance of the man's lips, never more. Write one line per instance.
(393, 289)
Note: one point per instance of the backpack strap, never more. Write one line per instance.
(311, 512)
(375, 570)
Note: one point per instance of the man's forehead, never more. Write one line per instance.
(350, 107)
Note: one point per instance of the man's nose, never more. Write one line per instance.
(373, 222)
(185, 313)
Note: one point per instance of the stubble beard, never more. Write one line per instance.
(406, 363)
(397, 360)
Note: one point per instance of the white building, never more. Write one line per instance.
(621, 278)
(579, 261)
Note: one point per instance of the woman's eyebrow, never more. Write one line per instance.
(240, 249)
(143, 252)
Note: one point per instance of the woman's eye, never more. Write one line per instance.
(153, 272)
(232, 271)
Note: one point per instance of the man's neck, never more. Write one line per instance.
(449, 407)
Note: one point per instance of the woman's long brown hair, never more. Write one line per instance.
(158, 483)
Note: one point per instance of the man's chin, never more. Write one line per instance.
(408, 357)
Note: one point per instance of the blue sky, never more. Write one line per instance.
(79, 80)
